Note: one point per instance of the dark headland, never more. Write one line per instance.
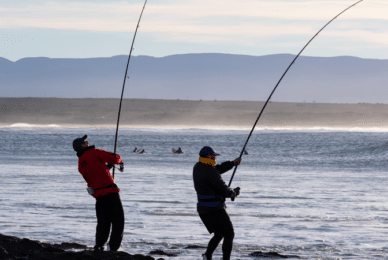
(189, 114)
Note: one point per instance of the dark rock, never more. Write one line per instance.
(194, 247)
(66, 246)
(28, 246)
(160, 252)
(3, 253)
(271, 255)
(88, 255)
(142, 257)
(17, 249)
(52, 248)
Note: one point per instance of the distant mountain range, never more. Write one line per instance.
(209, 76)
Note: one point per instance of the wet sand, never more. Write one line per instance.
(189, 114)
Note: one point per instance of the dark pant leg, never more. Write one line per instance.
(225, 229)
(103, 221)
(219, 223)
(117, 223)
(213, 243)
(228, 234)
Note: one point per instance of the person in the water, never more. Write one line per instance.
(178, 151)
(94, 165)
(212, 191)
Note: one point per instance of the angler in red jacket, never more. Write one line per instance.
(94, 165)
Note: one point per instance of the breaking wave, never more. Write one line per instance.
(25, 125)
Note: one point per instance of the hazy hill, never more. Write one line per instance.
(200, 76)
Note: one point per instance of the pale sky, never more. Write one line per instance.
(104, 28)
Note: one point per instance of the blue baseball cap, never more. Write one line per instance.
(207, 150)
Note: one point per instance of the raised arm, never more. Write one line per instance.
(109, 158)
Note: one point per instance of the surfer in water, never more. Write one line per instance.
(135, 150)
(212, 191)
(94, 165)
(178, 151)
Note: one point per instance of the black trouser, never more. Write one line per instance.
(109, 212)
(218, 222)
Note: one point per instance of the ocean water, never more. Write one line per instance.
(316, 194)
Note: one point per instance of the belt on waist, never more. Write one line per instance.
(113, 185)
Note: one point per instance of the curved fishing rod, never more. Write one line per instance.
(269, 98)
(125, 77)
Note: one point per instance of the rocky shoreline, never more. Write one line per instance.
(22, 248)
(14, 248)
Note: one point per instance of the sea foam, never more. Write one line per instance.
(25, 125)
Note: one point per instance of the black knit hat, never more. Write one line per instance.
(77, 143)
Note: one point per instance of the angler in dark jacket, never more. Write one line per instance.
(94, 166)
(212, 191)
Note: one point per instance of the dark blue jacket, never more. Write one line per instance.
(210, 187)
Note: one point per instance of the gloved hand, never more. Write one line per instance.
(110, 166)
(237, 191)
(237, 161)
(121, 169)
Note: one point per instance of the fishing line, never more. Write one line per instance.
(125, 77)
(262, 110)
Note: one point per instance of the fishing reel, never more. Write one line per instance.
(237, 191)
(120, 168)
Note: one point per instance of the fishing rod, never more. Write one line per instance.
(269, 98)
(125, 77)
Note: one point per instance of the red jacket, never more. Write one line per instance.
(92, 166)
